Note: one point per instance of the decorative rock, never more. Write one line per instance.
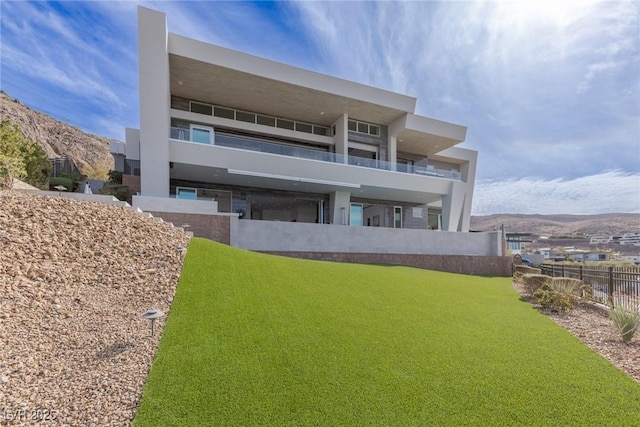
(71, 321)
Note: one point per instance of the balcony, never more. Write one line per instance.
(251, 144)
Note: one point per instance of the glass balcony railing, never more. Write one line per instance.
(308, 153)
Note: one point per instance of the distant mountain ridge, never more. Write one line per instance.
(560, 225)
(89, 152)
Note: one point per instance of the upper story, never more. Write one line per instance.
(227, 98)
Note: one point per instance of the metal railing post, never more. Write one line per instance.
(610, 287)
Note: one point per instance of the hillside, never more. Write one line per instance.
(58, 138)
(75, 279)
(559, 225)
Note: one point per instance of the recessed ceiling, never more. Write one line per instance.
(223, 86)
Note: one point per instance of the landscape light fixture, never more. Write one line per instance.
(60, 189)
(152, 315)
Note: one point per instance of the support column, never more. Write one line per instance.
(339, 201)
(392, 152)
(341, 139)
(452, 207)
(153, 60)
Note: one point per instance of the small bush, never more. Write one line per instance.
(533, 282)
(520, 270)
(120, 192)
(568, 285)
(55, 181)
(626, 317)
(559, 293)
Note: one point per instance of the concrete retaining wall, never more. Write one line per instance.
(303, 237)
(475, 265)
(214, 227)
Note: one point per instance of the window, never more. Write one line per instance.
(397, 217)
(363, 127)
(197, 107)
(225, 113)
(285, 124)
(304, 127)
(321, 130)
(201, 134)
(243, 116)
(186, 193)
(266, 120)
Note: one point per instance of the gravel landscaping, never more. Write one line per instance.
(591, 324)
(75, 279)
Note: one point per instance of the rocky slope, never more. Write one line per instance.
(75, 279)
(57, 138)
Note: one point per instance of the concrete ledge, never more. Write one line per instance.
(463, 264)
(173, 205)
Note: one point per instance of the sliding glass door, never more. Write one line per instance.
(355, 214)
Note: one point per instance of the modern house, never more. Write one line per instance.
(516, 242)
(227, 133)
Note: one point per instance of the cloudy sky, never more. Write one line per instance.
(549, 90)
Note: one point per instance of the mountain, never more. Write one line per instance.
(559, 225)
(89, 152)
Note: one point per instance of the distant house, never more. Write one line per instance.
(595, 240)
(516, 242)
(630, 239)
(588, 256)
(624, 239)
(633, 258)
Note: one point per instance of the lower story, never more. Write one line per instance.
(337, 207)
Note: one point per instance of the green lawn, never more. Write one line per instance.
(255, 339)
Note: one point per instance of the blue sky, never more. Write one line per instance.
(549, 90)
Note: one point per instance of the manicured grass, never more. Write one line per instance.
(254, 339)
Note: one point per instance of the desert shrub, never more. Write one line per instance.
(59, 180)
(520, 270)
(21, 158)
(115, 177)
(534, 281)
(120, 192)
(569, 285)
(626, 317)
(559, 293)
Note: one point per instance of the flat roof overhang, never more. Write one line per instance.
(213, 164)
(425, 136)
(214, 175)
(209, 73)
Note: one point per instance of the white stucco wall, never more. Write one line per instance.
(172, 205)
(291, 236)
(153, 60)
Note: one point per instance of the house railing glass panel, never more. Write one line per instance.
(251, 144)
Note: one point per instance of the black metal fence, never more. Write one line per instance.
(613, 286)
(63, 166)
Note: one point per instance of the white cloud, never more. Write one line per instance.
(606, 192)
